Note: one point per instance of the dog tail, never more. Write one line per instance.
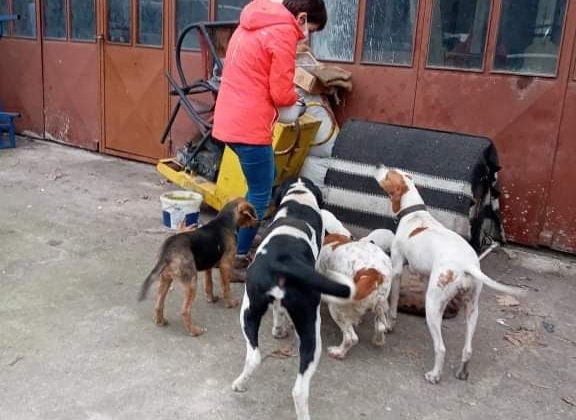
(152, 277)
(306, 275)
(479, 275)
(337, 286)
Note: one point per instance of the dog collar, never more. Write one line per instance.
(410, 210)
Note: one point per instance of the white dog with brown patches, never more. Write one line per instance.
(356, 260)
(431, 249)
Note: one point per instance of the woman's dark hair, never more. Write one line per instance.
(314, 9)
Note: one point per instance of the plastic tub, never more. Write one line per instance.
(180, 206)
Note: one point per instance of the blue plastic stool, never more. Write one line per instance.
(7, 130)
(7, 118)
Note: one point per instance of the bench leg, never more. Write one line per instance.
(12, 135)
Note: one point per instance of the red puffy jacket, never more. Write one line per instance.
(258, 74)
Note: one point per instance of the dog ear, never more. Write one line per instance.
(280, 191)
(249, 211)
(276, 198)
(395, 187)
(278, 194)
(396, 198)
(314, 190)
(246, 214)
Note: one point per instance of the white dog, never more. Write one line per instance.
(381, 237)
(283, 275)
(431, 249)
(356, 260)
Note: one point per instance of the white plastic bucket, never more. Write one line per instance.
(180, 206)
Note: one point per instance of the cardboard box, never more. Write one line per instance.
(307, 81)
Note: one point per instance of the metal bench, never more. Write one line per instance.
(7, 129)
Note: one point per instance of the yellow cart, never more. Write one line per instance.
(291, 145)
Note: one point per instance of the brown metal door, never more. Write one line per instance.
(560, 227)
(71, 72)
(494, 68)
(21, 66)
(135, 88)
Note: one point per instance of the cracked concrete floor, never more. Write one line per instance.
(79, 232)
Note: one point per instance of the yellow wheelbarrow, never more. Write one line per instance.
(291, 143)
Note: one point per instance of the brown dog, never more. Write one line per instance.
(183, 255)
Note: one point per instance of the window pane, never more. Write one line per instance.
(458, 33)
(150, 14)
(26, 26)
(83, 19)
(389, 32)
(3, 7)
(529, 36)
(4, 26)
(119, 21)
(229, 9)
(336, 41)
(188, 12)
(55, 19)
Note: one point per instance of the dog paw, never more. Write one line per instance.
(231, 303)
(196, 331)
(212, 299)
(432, 377)
(160, 322)
(239, 386)
(390, 324)
(336, 353)
(383, 327)
(379, 339)
(462, 374)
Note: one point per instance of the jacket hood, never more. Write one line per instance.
(259, 14)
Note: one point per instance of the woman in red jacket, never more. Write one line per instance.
(258, 79)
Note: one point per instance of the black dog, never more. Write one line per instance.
(283, 274)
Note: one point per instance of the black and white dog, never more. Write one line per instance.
(283, 275)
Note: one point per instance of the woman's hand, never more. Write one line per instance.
(303, 47)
